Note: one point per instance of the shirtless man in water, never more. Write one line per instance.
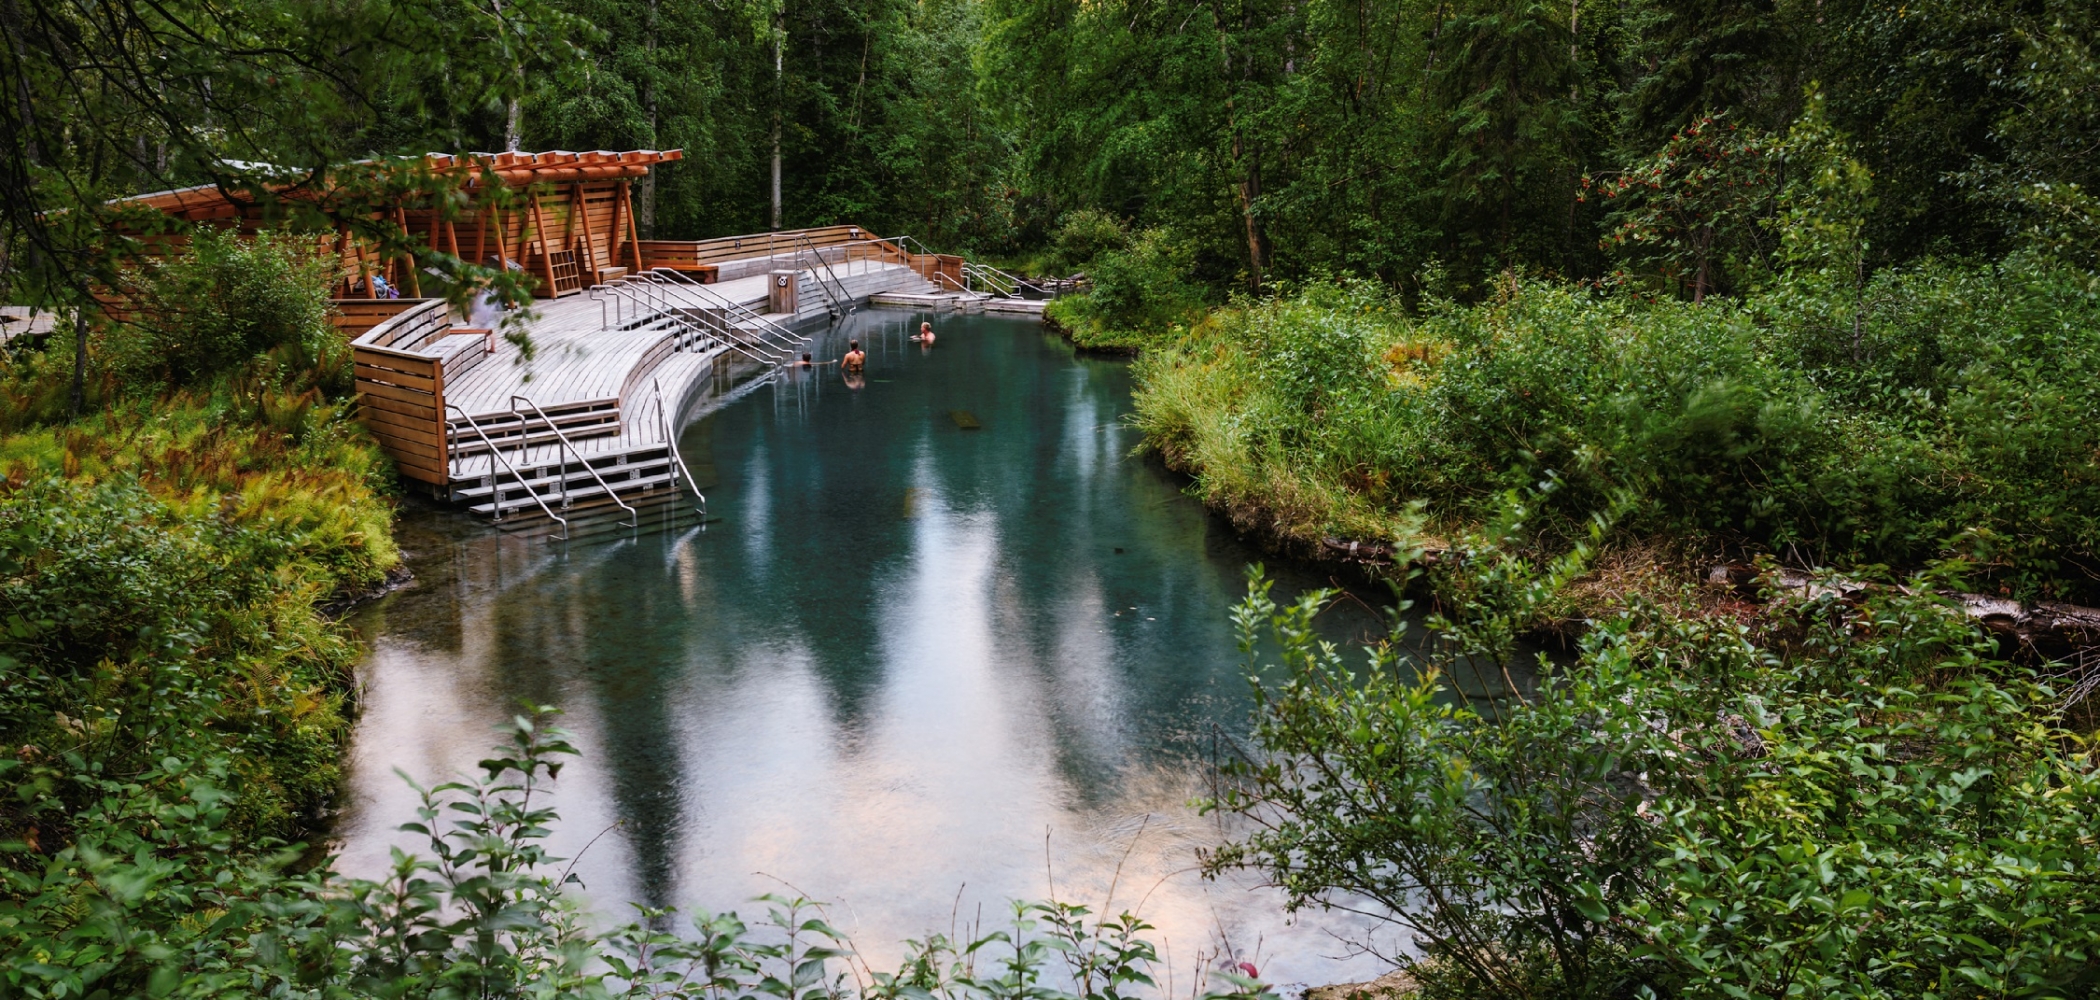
(925, 337)
(855, 358)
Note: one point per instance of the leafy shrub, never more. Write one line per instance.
(1138, 294)
(1941, 406)
(1083, 237)
(222, 302)
(1848, 801)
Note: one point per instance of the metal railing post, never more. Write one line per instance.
(496, 490)
(570, 449)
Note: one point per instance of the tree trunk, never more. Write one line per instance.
(779, 97)
(1249, 189)
(80, 325)
(645, 211)
(513, 109)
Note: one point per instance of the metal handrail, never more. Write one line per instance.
(994, 276)
(640, 290)
(685, 285)
(634, 515)
(620, 295)
(843, 300)
(496, 491)
(665, 280)
(663, 425)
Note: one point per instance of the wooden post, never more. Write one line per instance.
(632, 236)
(539, 228)
(612, 239)
(580, 207)
(444, 425)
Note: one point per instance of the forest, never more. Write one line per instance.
(1739, 350)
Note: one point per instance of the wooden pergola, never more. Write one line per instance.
(576, 227)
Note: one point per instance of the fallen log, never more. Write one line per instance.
(2046, 630)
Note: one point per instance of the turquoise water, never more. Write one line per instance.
(914, 669)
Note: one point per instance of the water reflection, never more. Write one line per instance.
(917, 668)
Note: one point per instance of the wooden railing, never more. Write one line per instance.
(356, 316)
(703, 257)
(401, 389)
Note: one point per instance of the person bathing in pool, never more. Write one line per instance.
(925, 335)
(855, 359)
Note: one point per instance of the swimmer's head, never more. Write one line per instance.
(805, 356)
(853, 345)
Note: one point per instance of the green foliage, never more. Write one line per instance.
(1137, 294)
(223, 301)
(155, 656)
(1692, 206)
(1936, 406)
(1086, 236)
(1849, 800)
(108, 100)
(484, 914)
(1291, 139)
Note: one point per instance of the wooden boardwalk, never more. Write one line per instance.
(614, 380)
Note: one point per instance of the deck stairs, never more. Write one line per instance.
(947, 296)
(573, 473)
(601, 465)
(596, 451)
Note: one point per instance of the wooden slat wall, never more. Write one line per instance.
(401, 399)
(688, 255)
(948, 266)
(401, 391)
(356, 317)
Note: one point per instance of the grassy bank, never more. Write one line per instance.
(1940, 408)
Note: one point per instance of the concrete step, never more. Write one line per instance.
(1019, 307)
(603, 519)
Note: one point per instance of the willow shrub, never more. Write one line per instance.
(1853, 801)
(1940, 406)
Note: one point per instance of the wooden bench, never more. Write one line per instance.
(463, 347)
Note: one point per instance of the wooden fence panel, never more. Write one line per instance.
(401, 390)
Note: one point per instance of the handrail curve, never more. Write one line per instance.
(496, 491)
(635, 517)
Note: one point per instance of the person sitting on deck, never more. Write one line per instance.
(925, 336)
(855, 358)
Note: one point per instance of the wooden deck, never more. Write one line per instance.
(607, 381)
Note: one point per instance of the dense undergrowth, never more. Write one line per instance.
(172, 703)
(1830, 798)
(1136, 289)
(1941, 407)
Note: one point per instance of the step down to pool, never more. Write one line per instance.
(532, 471)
